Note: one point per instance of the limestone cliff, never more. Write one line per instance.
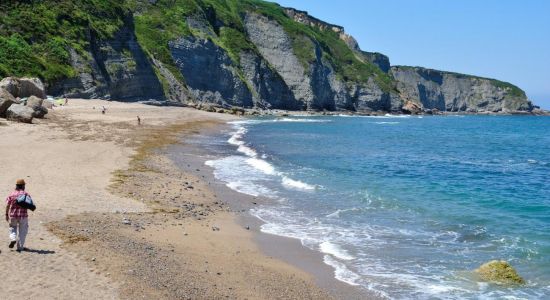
(447, 91)
(245, 53)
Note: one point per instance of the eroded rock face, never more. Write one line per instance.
(455, 92)
(270, 90)
(116, 69)
(500, 272)
(20, 113)
(276, 47)
(209, 72)
(6, 100)
(411, 108)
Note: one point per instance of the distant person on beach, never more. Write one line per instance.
(66, 101)
(139, 120)
(103, 109)
(17, 217)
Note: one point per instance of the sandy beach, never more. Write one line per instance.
(117, 220)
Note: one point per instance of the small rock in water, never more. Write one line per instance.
(499, 271)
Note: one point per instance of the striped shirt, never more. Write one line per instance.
(16, 211)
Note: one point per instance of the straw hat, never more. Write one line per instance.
(20, 182)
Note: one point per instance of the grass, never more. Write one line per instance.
(35, 36)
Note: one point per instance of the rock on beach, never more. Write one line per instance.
(499, 271)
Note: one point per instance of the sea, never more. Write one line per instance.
(401, 206)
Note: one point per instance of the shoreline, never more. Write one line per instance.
(287, 249)
(145, 228)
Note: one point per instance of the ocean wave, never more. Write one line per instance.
(389, 123)
(251, 189)
(247, 151)
(262, 165)
(341, 272)
(301, 120)
(334, 250)
(296, 184)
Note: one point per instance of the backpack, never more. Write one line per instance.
(24, 200)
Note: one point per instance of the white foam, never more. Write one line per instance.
(262, 165)
(531, 161)
(341, 272)
(389, 123)
(247, 151)
(236, 137)
(249, 188)
(335, 250)
(301, 120)
(296, 184)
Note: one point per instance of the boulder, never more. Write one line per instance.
(37, 106)
(47, 104)
(411, 108)
(499, 271)
(31, 87)
(6, 100)
(12, 85)
(20, 113)
(39, 112)
(34, 101)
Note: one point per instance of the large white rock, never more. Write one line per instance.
(20, 113)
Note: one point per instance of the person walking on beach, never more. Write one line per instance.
(17, 216)
(139, 120)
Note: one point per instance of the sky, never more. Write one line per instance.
(507, 40)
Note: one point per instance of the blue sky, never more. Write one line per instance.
(502, 39)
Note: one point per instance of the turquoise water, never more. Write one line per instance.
(403, 206)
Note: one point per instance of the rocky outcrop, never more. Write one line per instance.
(11, 85)
(454, 92)
(116, 69)
(31, 87)
(24, 87)
(20, 113)
(269, 89)
(378, 59)
(500, 272)
(275, 46)
(209, 72)
(39, 111)
(6, 100)
(411, 108)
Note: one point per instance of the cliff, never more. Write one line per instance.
(447, 91)
(245, 53)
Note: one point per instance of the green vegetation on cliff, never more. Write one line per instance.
(35, 36)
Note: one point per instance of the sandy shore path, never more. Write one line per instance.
(116, 236)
